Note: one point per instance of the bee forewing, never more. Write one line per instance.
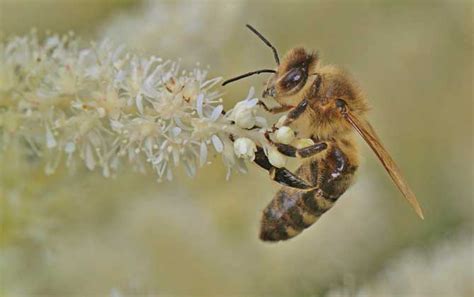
(368, 134)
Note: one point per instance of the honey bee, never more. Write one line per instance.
(324, 104)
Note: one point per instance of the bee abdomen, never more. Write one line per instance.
(290, 212)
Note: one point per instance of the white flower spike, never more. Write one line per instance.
(109, 107)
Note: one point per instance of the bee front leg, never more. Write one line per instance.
(280, 175)
(296, 112)
(275, 110)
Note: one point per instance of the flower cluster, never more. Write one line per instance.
(106, 106)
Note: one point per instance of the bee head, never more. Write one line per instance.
(289, 82)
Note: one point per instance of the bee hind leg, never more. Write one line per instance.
(305, 152)
(281, 175)
(292, 151)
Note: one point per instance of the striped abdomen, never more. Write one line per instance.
(293, 210)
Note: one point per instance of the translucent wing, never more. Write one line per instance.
(368, 134)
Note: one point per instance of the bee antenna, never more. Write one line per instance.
(275, 53)
(248, 74)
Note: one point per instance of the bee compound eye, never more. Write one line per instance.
(293, 78)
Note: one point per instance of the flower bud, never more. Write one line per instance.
(303, 142)
(276, 158)
(245, 118)
(285, 135)
(245, 148)
(244, 114)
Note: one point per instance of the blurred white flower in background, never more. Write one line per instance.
(156, 28)
(444, 270)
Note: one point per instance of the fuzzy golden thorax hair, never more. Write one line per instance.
(300, 76)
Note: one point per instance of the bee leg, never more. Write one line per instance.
(280, 175)
(274, 110)
(292, 151)
(305, 152)
(287, 178)
(296, 112)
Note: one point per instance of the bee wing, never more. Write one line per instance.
(368, 134)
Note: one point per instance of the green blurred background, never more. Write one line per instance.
(85, 235)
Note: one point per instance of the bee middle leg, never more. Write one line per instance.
(292, 151)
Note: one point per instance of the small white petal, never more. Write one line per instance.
(148, 88)
(162, 169)
(159, 159)
(199, 102)
(216, 112)
(251, 102)
(89, 157)
(251, 93)
(202, 154)
(50, 140)
(210, 83)
(217, 142)
(139, 103)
